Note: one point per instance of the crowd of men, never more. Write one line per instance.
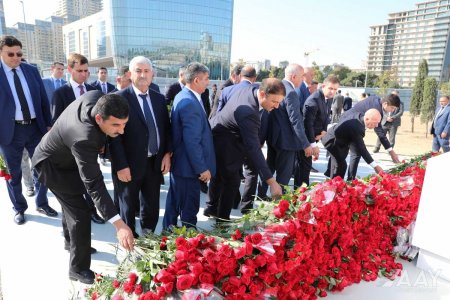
(66, 127)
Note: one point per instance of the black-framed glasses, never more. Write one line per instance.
(11, 54)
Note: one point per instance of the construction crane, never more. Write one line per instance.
(307, 54)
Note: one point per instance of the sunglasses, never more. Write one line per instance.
(11, 54)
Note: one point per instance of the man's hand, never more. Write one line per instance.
(316, 152)
(308, 151)
(124, 175)
(389, 119)
(443, 135)
(378, 169)
(320, 136)
(124, 235)
(165, 164)
(205, 176)
(394, 157)
(275, 189)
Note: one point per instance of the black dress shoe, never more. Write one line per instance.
(67, 248)
(19, 218)
(96, 218)
(86, 276)
(209, 213)
(47, 210)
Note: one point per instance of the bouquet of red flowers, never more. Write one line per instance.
(4, 169)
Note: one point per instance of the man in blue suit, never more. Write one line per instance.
(305, 86)
(25, 118)
(102, 83)
(142, 154)
(193, 151)
(52, 83)
(286, 134)
(440, 129)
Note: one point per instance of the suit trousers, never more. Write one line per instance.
(182, 200)
(148, 202)
(390, 131)
(25, 137)
(337, 162)
(302, 168)
(354, 162)
(281, 162)
(439, 143)
(26, 171)
(250, 184)
(76, 221)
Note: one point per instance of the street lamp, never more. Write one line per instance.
(26, 31)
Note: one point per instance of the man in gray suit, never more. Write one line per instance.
(336, 107)
(66, 162)
(55, 81)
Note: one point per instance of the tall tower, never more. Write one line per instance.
(72, 10)
(2, 19)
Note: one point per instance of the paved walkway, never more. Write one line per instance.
(34, 264)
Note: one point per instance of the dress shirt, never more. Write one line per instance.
(138, 92)
(199, 98)
(10, 76)
(76, 89)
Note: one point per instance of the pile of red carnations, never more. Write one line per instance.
(4, 169)
(310, 242)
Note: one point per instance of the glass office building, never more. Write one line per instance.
(170, 33)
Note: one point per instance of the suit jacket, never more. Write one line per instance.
(286, 129)
(205, 101)
(193, 149)
(315, 115)
(338, 138)
(172, 91)
(8, 106)
(215, 104)
(66, 157)
(304, 94)
(338, 102)
(361, 107)
(49, 86)
(155, 87)
(62, 98)
(396, 115)
(239, 123)
(131, 148)
(348, 103)
(97, 85)
(441, 123)
(228, 91)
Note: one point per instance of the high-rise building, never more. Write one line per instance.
(409, 37)
(171, 33)
(2, 19)
(72, 10)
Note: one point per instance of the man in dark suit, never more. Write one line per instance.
(25, 118)
(336, 107)
(390, 123)
(307, 82)
(350, 131)
(55, 81)
(348, 102)
(236, 137)
(386, 105)
(316, 119)
(102, 83)
(193, 151)
(66, 161)
(235, 78)
(77, 66)
(141, 155)
(286, 134)
(247, 77)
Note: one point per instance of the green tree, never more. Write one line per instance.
(277, 72)
(387, 79)
(428, 105)
(341, 72)
(417, 94)
(318, 75)
(445, 88)
(352, 77)
(262, 75)
(327, 70)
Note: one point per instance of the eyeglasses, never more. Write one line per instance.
(11, 54)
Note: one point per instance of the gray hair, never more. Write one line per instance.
(140, 60)
(292, 69)
(193, 70)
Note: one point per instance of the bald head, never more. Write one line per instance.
(372, 118)
(308, 75)
(248, 72)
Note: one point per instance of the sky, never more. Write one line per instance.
(332, 31)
